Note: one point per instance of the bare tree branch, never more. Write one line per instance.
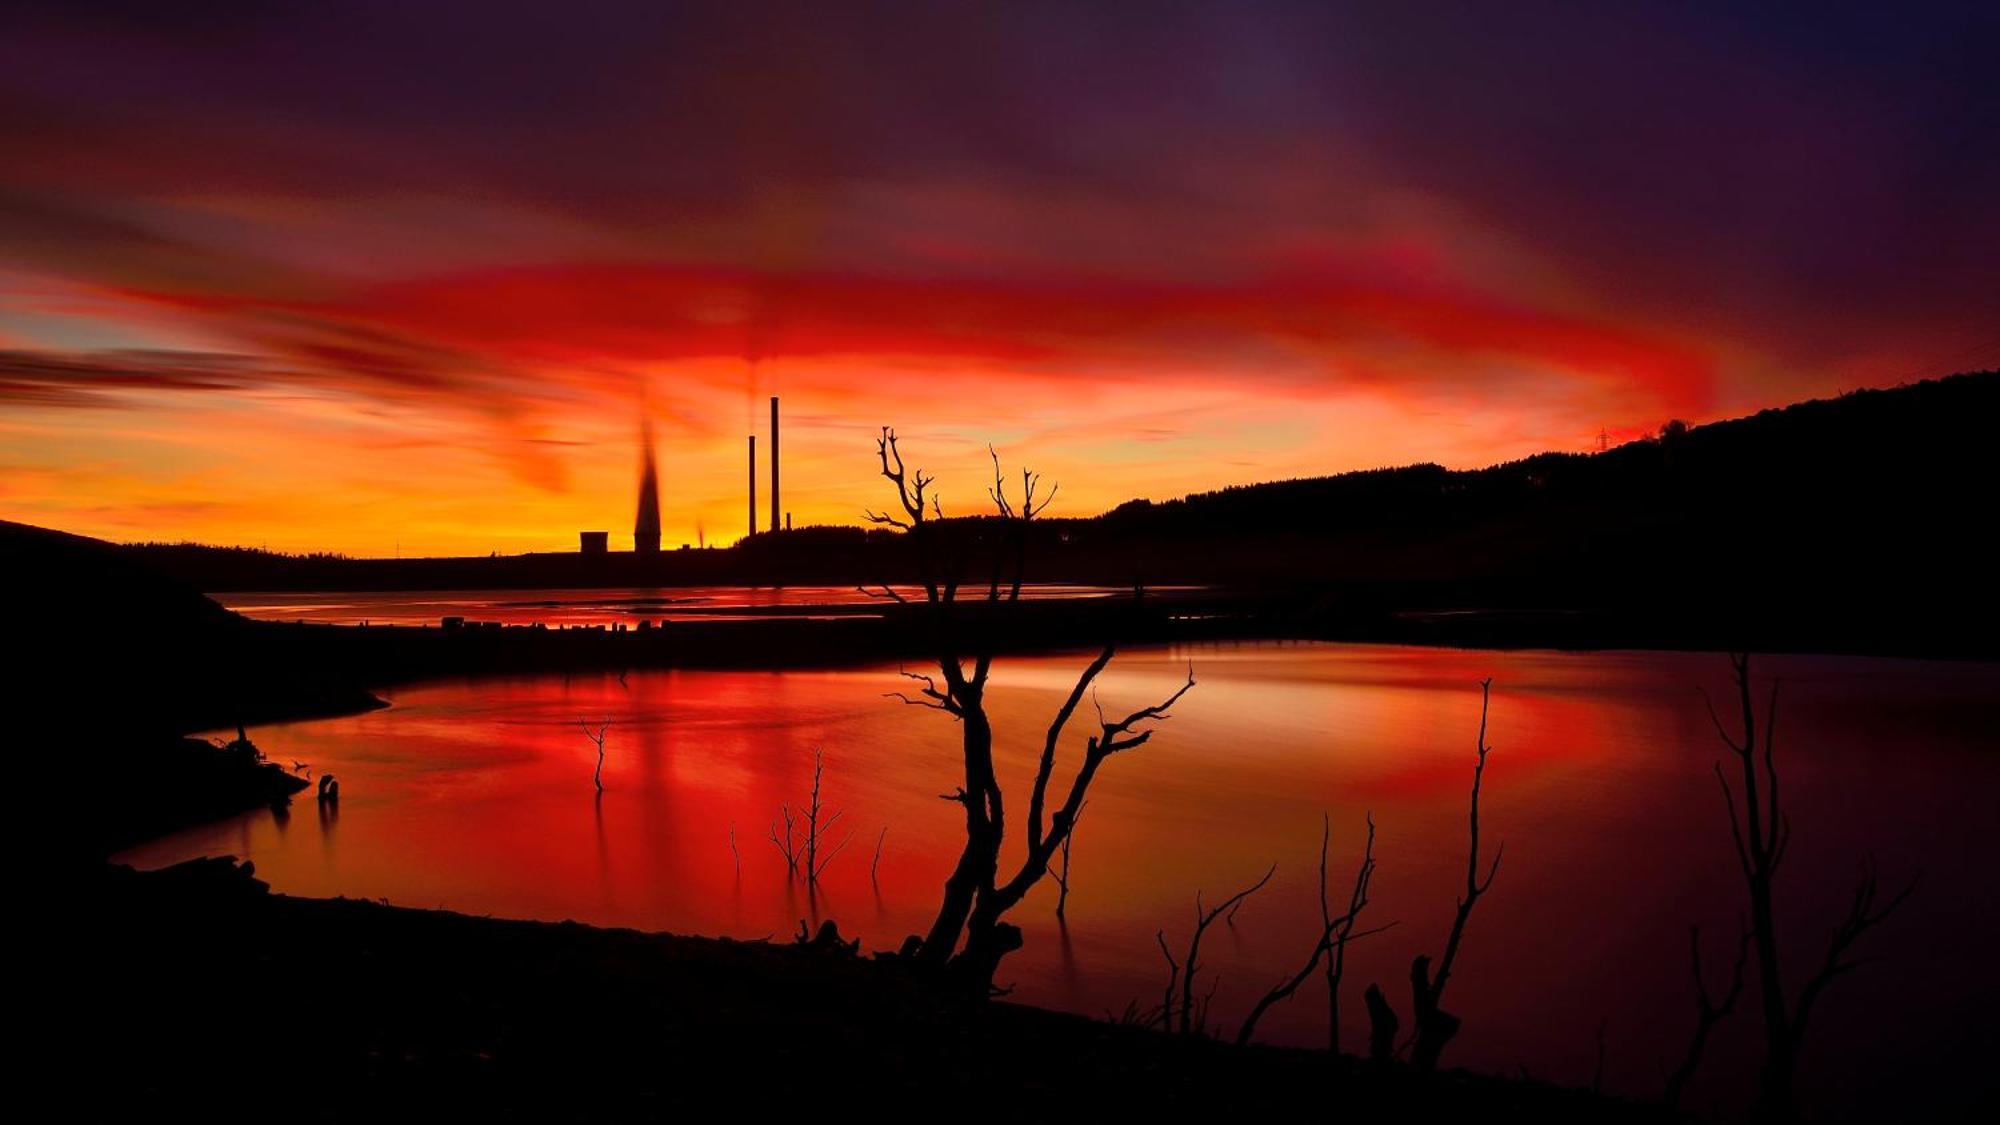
(932, 698)
(1432, 1026)
(1761, 831)
(786, 847)
(596, 736)
(1113, 737)
(1203, 920)
(1343, 930)
(1037, 798)
(803, 853)
(1863, 914)
(1062, 877)
(1166, 1018)
(1708, 1011)
(975, 899)
(1334, 934)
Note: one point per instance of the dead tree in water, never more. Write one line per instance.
(1432, 1026)
(1708, 1012)
(1331, 946)
(596, 736)
(1382, 1024)
(803, 854)
(814, 829)
(1062, 877)
(1761, 832)
(1343, 928)
(786, 847)
(1164, 1015)
(1184, 1015)
(969, 937)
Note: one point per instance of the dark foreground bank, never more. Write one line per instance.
(196, 990)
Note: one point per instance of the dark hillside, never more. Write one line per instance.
(1853, 523)
(114, 647)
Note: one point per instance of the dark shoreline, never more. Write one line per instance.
(382, 656)
(393, 1012)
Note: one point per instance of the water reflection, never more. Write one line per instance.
(603, 847)
(581, 606)
(478, 796)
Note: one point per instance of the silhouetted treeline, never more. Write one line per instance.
(803, 556)
(203, 551)
(1848, 523)
(1883, 477)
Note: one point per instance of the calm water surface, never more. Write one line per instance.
(477, 796)
(583, 606)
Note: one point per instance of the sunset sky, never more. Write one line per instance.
(375, 277)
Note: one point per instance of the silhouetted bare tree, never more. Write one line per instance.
(1164, 1014)
(1708, 1012)
(1183, 1013)
(596, 736)
(787, 846)
(1382, 1024)
(1331, 945)
(1343, 926)
(1062, 876)
(815, 864)
(1433, 1027)
(802, 853)
(1762, 832)
(969, 937)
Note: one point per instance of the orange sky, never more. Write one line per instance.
(359, 283)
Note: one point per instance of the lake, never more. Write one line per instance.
(573, 607)
(477, 796)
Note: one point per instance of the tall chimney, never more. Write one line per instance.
(646, 527)
(753, 484)
(774, 463)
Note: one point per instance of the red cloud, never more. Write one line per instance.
(1329, 330)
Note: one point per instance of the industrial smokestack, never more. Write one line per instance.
(753, 484)
(774, 463)
(646, 528)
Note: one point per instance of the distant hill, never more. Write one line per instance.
(1858, 445)
(105, 647)
(1857, 516)
(1863, 516)
(1895, 478)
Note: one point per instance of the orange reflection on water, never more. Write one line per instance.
(592, 606)
(477, 796)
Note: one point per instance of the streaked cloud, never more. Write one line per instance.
(424, 263)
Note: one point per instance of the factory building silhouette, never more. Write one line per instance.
(646, 524)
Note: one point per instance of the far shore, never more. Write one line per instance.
(383, 656)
